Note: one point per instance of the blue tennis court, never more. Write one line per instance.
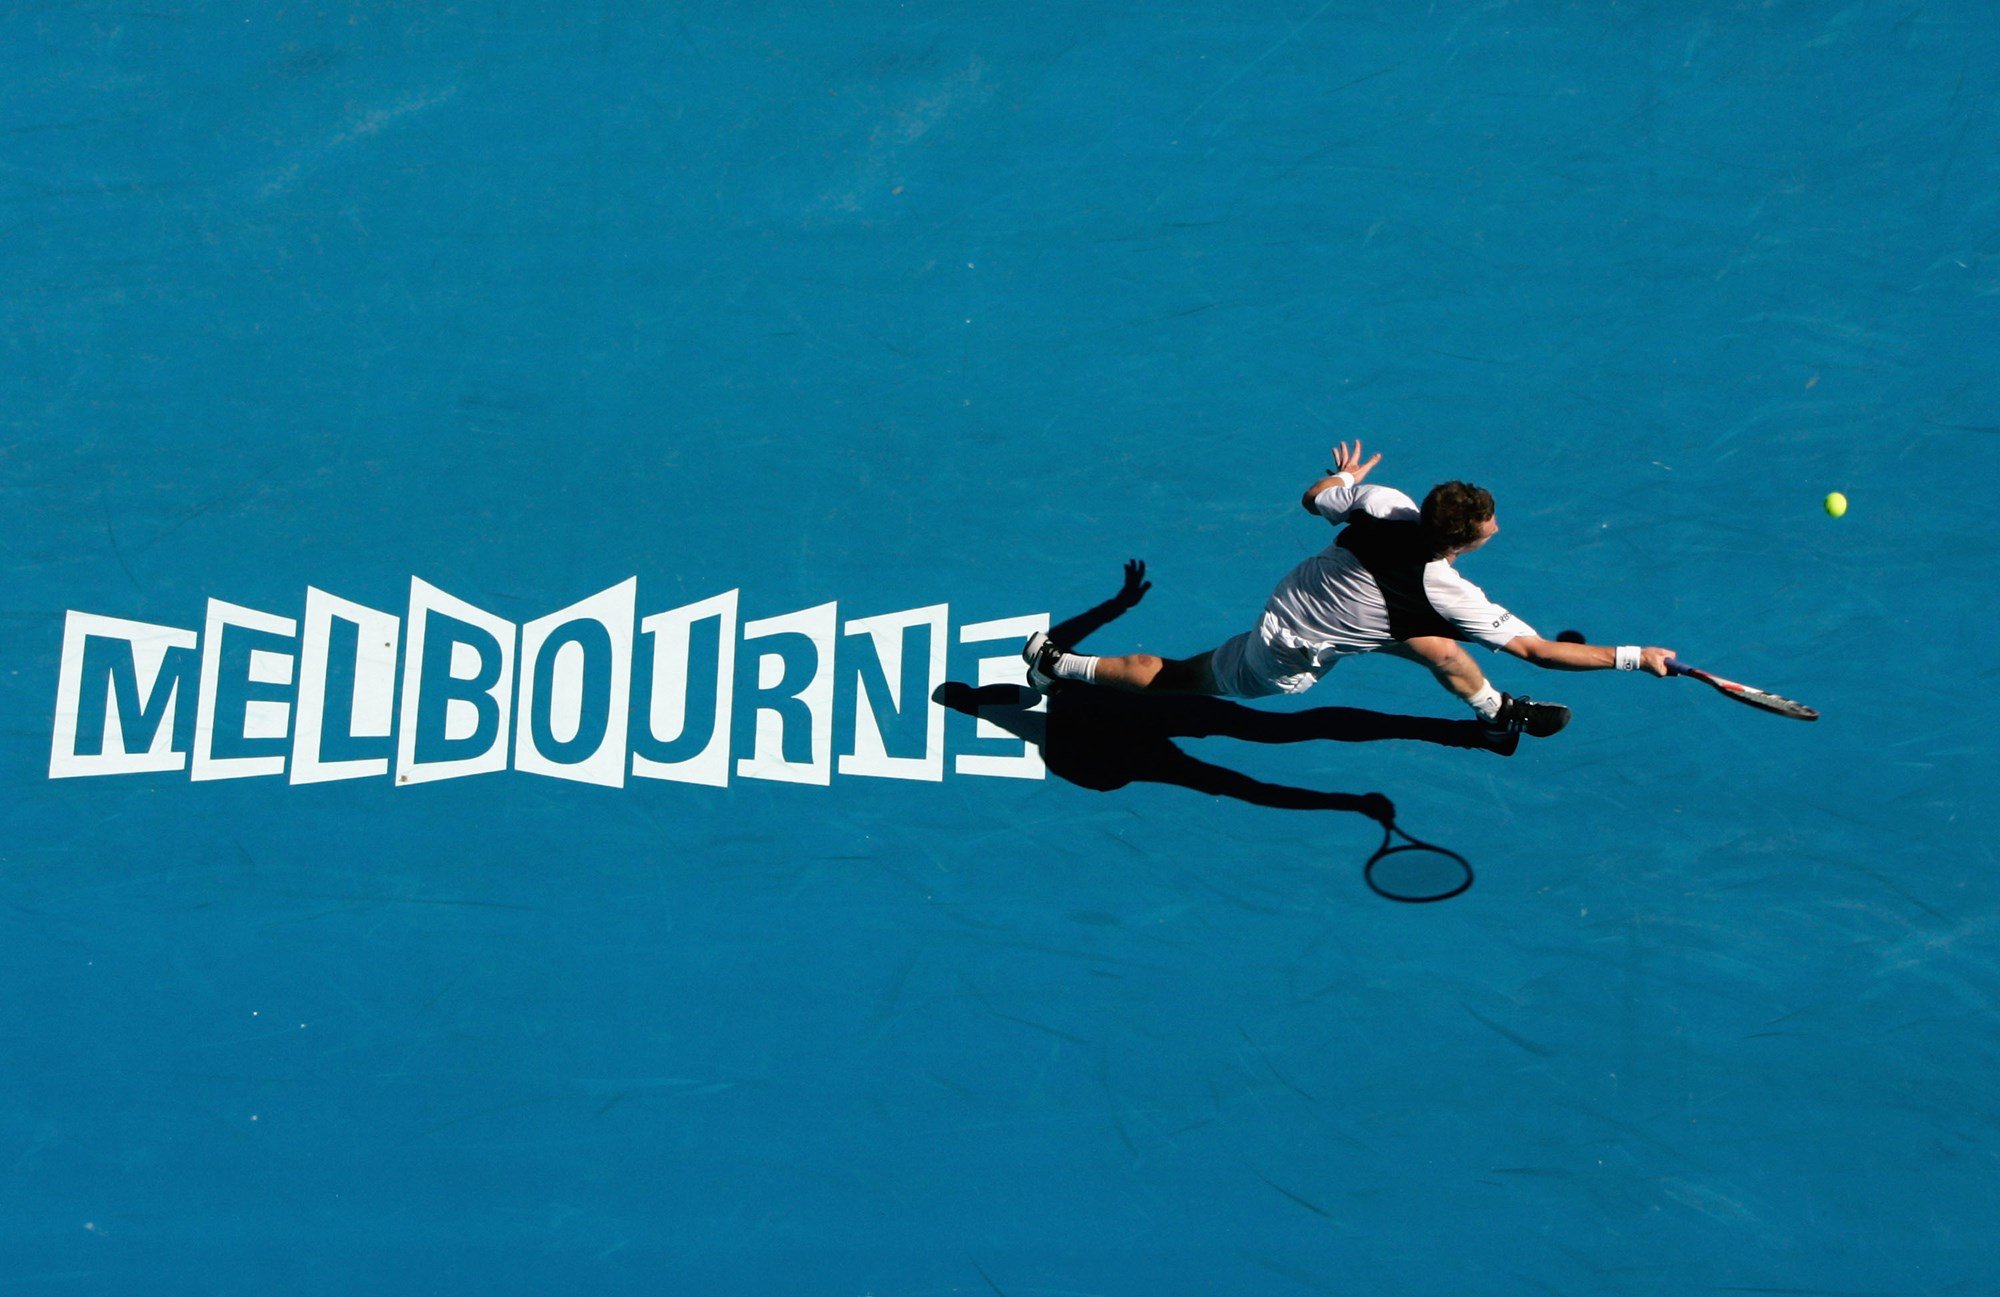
(518, 522)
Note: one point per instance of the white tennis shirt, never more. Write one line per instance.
(1333, 605)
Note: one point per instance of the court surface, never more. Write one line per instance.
(898, 306)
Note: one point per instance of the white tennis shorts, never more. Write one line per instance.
(1268, 660)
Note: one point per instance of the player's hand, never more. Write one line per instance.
(1350, 461)
(1655, 659)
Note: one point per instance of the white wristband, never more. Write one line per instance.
(1628, 657)
(1347, 479)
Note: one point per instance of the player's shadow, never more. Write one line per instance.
(1105, 739)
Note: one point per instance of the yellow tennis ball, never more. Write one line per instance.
(1836, 504)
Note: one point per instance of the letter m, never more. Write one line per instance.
(117, 695)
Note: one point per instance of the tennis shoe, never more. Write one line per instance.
(1526, 716)
(1040, 653)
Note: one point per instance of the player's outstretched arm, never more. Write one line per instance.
(1559, 656)
(1345, 461)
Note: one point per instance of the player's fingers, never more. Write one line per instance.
(1373, 460)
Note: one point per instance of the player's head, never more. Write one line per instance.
(1458, 517)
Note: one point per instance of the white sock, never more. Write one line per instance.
(1075, 666)
(1486, 702)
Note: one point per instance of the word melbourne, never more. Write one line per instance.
(591, 693)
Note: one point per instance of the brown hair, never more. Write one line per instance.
(1453, 513)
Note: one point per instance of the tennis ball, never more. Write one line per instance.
(1836, 504)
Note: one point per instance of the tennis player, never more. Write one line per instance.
(1388, 583)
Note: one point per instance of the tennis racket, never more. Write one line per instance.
(1760, 698)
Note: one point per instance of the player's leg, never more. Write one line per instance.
(1457, 672)
(1452, 665)
(1049, 665)
(1143, 671)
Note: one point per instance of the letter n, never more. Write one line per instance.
(891, 685)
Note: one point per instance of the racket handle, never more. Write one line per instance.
(1676, 667)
